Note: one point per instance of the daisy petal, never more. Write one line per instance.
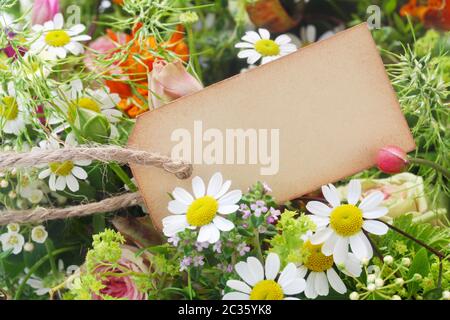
(372, 201)
(375, 213)
(246, 53)
(182, 195)
(320, 222)
(302, 271)
(354, 192)
(335, 281)
(72, 183)
(272, 266)
(375, 227)
(251, 36)
(310, 291)
(44, 174)
(331, 195)
(79, 173)
(239, 286)
(174, 224)
(353, 266)
(230, 198)
(60, 183)
(321, 284)
(264, 33)
(208, 233)
(282, 39)
(340, 251)
(236, 296)
(288, 274)
(198, 187)
(318, 208)
(245, 45)
(321, 236)
(358, 246)
(215, 184)
(255, 57)
(77, 29)
(226, 185)
(295, 286)
(58, 21)
(256, 268)
(243, 271)
(228, 209)
(328, 246)
(177, 207)
(223, 224)
(368, 245)
(52, 182)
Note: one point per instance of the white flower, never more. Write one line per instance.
(31, 190)
(39, 234)
(308, 34)
(63, 174)
(99, 101)
(57, 40)
(203, 211)
(12, 111)
(258, 45)
(343, 224)
(43, 286)
(12, 240)
(321, 271)
(13, 227)
(259, 281)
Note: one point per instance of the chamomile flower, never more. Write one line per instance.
(202, 210)
(98, 101)
(13, 116)
(261, 283)
(342, 225)
(63, 174)
(39, 234)
(54, 38)
(12, 240)
(258, 45)
(321, 272)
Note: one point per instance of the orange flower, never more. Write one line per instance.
(435, 13)
(133, 105)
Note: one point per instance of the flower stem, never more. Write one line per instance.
(257, 245)
(410, 237)
(123, 176)
(435, 166)
(192, 52)
(49, 248)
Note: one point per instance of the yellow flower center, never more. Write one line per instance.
(317, 261)
(9, 108)
(57, 38)
(346, 220)
(39, 233)
(13, 240)
(61, 168)
(267, 290)
(267, 47)
(202, 211)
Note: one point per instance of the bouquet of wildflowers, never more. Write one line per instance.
(77, 73)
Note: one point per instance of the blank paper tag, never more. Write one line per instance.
(310, 118)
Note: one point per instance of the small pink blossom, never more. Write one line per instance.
(392, 159)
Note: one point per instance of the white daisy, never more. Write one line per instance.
(321, 271)
(57, 40)
(12, 240)
(258, 45)
(308, 34)
(99, 101)
(343, 224)
(39, 234)
(203, 210)
(63, 174)
(13, 116)
(260, 281)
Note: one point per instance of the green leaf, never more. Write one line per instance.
(389, 6)
(433, 294)
(420, 265)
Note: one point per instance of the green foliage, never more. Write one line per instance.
(289, 240)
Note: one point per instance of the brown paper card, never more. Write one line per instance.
(332, 102)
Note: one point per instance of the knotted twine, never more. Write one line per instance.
(180, 169)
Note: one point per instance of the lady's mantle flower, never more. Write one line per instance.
(343, 224)
(203, 211)
(258, 45)
(63, 174)
(12, 111)
(57, 40)
(260, 281)
(39, 234)
(12, 240)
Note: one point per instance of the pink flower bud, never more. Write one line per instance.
(44, 10)
(392, 159)
(170, 81)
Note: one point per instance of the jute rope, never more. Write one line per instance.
(117, 154)
(181, 169)
(44, 214)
